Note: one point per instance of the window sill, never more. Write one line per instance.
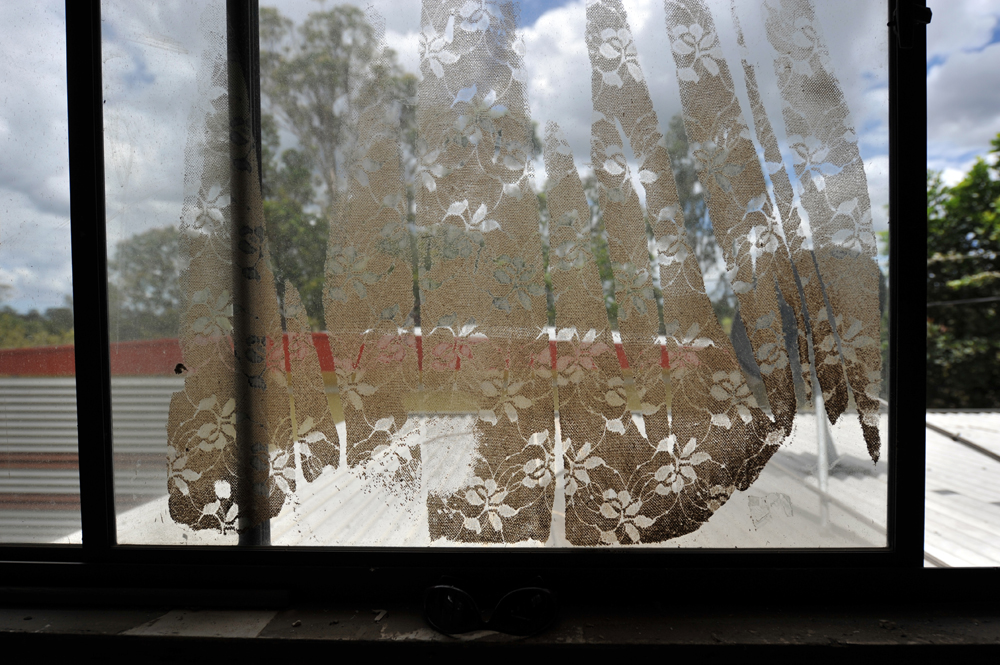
(761, 632)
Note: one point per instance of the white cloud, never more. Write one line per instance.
(150, 84)
(963, 105)
(33, 121)
(406, 45)
(559, 75)
(951, 176)
(34, 179)
(959, 25)
(963, 84)
(877, 172)
(150, 57)
(152, 54)
(34, 253)
(560, 86)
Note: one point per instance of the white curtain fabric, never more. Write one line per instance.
(637, 420)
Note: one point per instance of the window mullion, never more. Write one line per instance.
(90, 302)
(244, 64)
(907, 305)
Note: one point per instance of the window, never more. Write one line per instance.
(97, 397)
(39, 489)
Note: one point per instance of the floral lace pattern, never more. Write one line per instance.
(438, 306)
(368, 299)
(315, 431)
(231, 457)
(744, 220)
(482, 292)
(628, 481)
(831, 174)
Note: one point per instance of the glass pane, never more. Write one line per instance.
(962, 469)
(378, 447)
(151, 58)
(39, 479)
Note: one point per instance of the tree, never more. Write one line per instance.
(309, 83)
(963, 266)
(690, 194)
(19, 331)
(296, 237)
(144, 291)
(697, 222)
(310, 76)
(306, 78)
(700, 235)
(306, 75)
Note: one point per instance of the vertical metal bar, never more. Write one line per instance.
(822, 462)
(245, 18)
(244, 46)
(907, 262)
(89, 249)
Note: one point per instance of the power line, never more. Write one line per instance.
(965, 301)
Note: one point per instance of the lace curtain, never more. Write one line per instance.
(637, 421)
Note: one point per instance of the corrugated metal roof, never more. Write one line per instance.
(962, 522)
(784, 508)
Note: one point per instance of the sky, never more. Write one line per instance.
(963, 84)
(151, 80)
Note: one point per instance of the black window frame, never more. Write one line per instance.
(100, 562)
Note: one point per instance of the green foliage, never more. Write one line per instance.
(144, 291)
(690, 194)
(307, 75)
(543, 230)
(700, 235)
(599, 247)
(53, 327)
(296, 237)
(963, 262)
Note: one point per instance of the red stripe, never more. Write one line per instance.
(39, 461)
(39, 501)
(322, 344)
(147, 357)
(288, 357)
(159, 357)
(38, 361)
(622, 360)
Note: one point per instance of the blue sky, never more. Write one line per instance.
(532, 9)
(963, 83)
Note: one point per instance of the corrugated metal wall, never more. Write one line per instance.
(139, 409)
(39, 482)
(39, 479)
